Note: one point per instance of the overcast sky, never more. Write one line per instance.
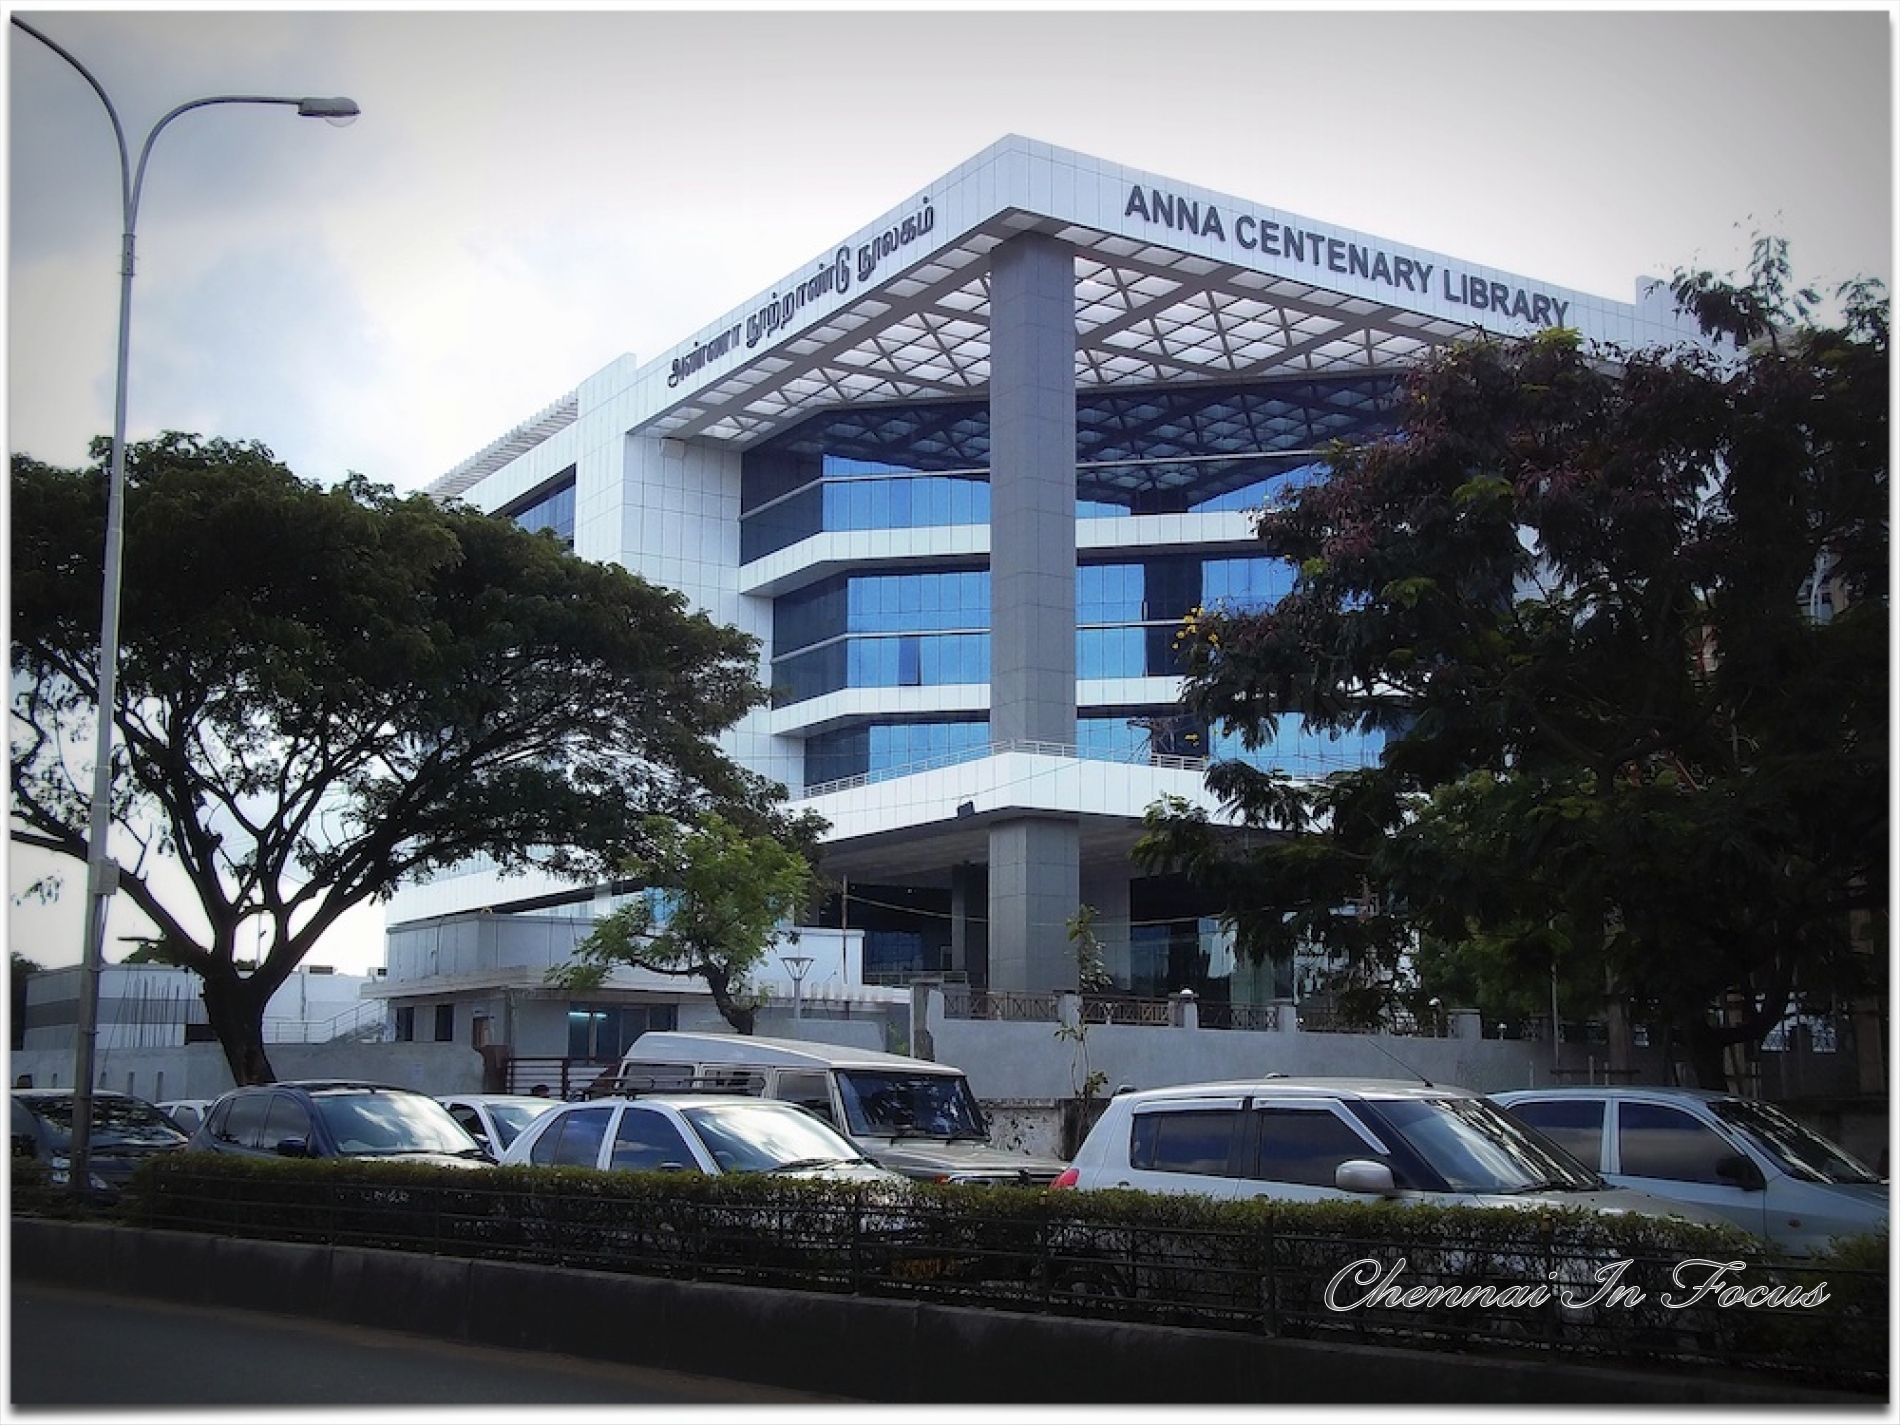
(529, 195)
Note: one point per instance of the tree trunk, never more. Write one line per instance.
(1706, 1053)
(741, 1017)
(236, 1012)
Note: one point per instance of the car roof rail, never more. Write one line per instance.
(725, 1081)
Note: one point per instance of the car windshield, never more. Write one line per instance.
(116, 1122)
(371, 1124)
(1476, 1148)
(766, 1137)
(1802, 1152)
(881, 1101)
(510, 1118)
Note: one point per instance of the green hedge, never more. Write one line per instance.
(1563, 1282)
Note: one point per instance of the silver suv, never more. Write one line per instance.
(1310, 1140)
(1740, 1158)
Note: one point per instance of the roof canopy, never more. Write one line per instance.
(1176, 286)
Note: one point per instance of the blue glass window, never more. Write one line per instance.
(1109, 593)
(884, 749)
(1111, 652)
(1110, 739)
(1240, 584)
(1300, 752)
(550, 509)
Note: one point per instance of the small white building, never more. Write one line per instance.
(481, 980)
(162, 1007)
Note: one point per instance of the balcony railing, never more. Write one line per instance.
(999, 749)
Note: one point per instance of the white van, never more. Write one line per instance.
(910, 1115)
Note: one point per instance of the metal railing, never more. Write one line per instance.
(355, 1020)
(1110, 1009)
(556, 1076)
(1067, 750)
(1524, 1286)
(969, 1002)
(1258, 1018)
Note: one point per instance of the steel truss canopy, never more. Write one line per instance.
(1145, 317)
(1175, 287)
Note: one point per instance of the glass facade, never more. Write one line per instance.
(873, 751)
(550, 508)
(1137, 453)
(879, 749)
(927, 629)
(1209, 449)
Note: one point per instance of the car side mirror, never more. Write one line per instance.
(293, 1148)
(1741, 1171)
(1363, 1175)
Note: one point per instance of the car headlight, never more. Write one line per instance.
(61, 1174)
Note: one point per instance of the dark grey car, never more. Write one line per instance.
(336, 1119)
(125, 1132)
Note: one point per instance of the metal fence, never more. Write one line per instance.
(553, 1075)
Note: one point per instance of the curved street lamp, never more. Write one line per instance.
(102, 873)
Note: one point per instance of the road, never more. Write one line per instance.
(77, 1349)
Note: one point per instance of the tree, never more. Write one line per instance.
(714, 896)
(1091, 977)
(1091, 965)
(326, 692)
(1582, 593)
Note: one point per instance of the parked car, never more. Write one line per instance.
(1310, 1140)
(693, 1133)
(187, 1113)
(493, 1119)
(125, 1132)
(914, 1116)
(1740, 1158)
(326, 1118)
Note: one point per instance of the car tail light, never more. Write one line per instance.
(1067, 1178)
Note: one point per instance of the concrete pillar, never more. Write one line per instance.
(1035, 861)
(1034, 883)
(1032, 491)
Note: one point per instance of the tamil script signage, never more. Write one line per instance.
(832, 276)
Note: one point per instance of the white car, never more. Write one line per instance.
(494, 1119)
(1319, 1139)
(1740, 1158)
(692, 1133)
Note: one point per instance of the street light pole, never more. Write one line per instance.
(797, 964)
(102, 873)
